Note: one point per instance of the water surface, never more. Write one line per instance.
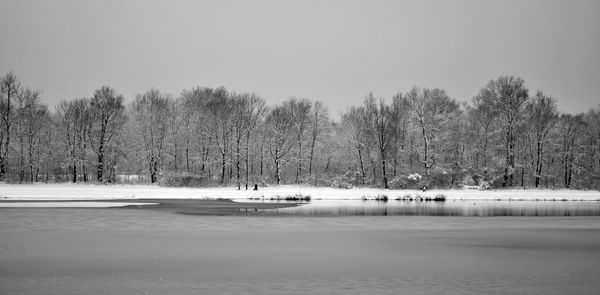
(130, 251)
(447, 208)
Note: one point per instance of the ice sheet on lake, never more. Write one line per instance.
(68, 204)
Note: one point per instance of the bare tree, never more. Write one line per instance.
(300, 109)
(400, 128)
(174, 131)
(27, 107)
(74, 121)
(219, 118)
(192, 104)
(420, 101)
(240, 108)
(593, 121)
(319, 121)
(591, 159)
(48, 146)
(571, 129)
(279, 122)
(108, 118)
(150, 112)
(38, 119)
(543, 116)
(254, 113)
(10, 87)
(482, 117)
(436, 116)
(354, 124)
(508, 95)
(380, 122)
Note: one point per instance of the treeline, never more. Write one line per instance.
(505, 137)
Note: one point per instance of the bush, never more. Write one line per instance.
(348, 180)
(400, 182)
(412, 181)
(185, 180)
(440, 178)
(469, 180)
(497, 182)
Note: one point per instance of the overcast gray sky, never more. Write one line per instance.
(333, 51)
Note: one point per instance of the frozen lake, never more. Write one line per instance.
(127, 251)
(69, 204)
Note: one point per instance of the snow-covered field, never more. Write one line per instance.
(68, 191)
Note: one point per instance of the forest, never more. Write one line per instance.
(505, 137)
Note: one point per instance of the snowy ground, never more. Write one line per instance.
(68, 191)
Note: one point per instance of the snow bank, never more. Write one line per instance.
(99, 192)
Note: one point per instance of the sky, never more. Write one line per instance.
(333, 51)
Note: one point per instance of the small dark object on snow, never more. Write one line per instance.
(255, 187)
(423, 188)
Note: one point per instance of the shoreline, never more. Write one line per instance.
(128, 192)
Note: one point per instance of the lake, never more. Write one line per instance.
(323, 247)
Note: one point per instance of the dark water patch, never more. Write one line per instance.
(440, 208)
(289, 198)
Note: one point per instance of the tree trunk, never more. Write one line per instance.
(310, 159)
(100, 168)
(237, 163)
(2, 168)
(510, 155)
(523, 177)
(30, 155)
(187, 157)
(21, 156)
(362, 166)
(277, 176)
(539, 163)
(485, 148)
(175, 156)
(425, 149)
(74, 171)
(261, 160)
(505, 179)
(153, 169)
(85, 172)
(299, 162)
(223, 154)
(385, 181)
(247, 157)
(204, 159)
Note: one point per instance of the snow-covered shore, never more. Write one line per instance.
(68, 191)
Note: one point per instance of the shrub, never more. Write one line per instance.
(412, 181)
(496, 182)
(185, 180)
(346, 181)
(439, 177)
